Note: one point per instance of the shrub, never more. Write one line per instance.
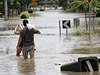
(98, 14)
(24, 14)
(81, 32)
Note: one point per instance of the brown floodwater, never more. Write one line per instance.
(52, 50)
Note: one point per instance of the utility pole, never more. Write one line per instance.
(5, 10)
(68, 2)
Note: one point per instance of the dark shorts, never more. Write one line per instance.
(28, 48)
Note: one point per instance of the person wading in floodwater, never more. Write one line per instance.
(26, 38)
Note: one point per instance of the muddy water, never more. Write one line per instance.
(51, 52)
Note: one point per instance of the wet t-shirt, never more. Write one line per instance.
(28, 36)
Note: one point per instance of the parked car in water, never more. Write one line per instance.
(42, 8)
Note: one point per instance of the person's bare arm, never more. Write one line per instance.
(17, 29)
(37, 31)
(19, 41)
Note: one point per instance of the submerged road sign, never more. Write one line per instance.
(66, 24)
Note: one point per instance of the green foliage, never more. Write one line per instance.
(1, 6)
(47, 2)
(24, 14)
(79, 6)
(81, 32)
(16, 5)
(98, 14)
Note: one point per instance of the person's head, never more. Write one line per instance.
(25, 22)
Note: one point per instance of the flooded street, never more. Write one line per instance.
(52, 50)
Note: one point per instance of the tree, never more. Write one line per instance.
(83, 6)
(80, 6)
(24, 4)
(1, 7)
